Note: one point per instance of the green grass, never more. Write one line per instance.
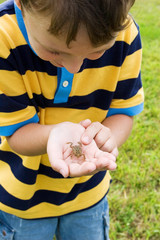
(134, 196)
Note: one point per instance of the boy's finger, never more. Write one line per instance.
(77, 170)
(85, 123)
(56, 160)
(91, 132)
(105, 155)
(60, 166)
(107, 164)
(115, 152)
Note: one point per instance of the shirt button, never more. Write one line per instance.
(65, 84)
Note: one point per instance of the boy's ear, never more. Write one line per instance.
(18, 3)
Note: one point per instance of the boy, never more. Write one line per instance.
(69, 87)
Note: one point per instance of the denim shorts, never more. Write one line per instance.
(92, 223)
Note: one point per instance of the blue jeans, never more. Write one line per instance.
(92, 223)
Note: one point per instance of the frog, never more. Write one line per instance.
(76, 150)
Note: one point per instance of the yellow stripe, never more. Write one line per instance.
(129, 33)
(91, 82)
(14, 186)
(27, 161)
(4, 145)
(9, 82)
(83, 200)
(32, 162)
(11, 31)
(32, 82)
(8, 119)
(62, 185)
(131, 102)
(24, 191)
(131, 66)
(40, 83)
(54, 115)
(4, 49)
(11, 35)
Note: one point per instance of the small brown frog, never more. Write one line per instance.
(76, 150)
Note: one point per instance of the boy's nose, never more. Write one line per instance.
(73, 65)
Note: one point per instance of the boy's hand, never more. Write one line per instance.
(102, 136)
(62, 159)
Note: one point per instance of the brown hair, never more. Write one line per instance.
(102, 18)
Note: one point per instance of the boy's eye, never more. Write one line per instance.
(100, 52)
(54, 53)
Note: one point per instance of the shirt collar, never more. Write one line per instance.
(21, 24)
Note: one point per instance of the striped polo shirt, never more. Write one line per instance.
(34, 91)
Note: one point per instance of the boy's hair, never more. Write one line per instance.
(102, 18)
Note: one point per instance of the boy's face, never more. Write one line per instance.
(54, 49)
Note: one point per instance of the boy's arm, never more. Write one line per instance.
(31, 139)
(120, 126)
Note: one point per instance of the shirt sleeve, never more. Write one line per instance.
(129, 96)
(16, 108)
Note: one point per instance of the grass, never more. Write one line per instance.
(134, 196)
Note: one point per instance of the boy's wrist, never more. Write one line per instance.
(31, 139)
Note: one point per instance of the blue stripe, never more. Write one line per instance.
(14, 103)
(6, 65)
(23, 174)
(52, 197)
(99, 99)
(127, 111)
(6, 8)
(31, 62)
(114, 56)
(135, 45)
(9, 130)
(128, 88)
(48, 171)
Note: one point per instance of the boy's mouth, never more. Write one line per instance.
(60, 65)
(57, 64)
